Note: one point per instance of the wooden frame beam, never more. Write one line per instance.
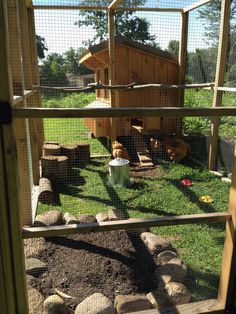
(219, 78)
(208, 306)
(196, 5)
(93, 8)
(122, 112)
(115, 4)
(31, 232)
(228, 274)
(12, 259)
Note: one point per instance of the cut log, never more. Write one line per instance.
(51, 142)
(51, 150)
(83, 154)
(46, 195)
(49, 166)
(70, 151)
(62, 168)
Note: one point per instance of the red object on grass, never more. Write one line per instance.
(186, 182)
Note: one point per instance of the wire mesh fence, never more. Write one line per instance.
(73, 166)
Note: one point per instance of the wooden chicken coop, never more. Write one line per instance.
(134, 62)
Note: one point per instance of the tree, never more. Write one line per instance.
(173, 47)
(72, 62)
(126, 23)
(41, 46)
(210, 15)
(52, 71)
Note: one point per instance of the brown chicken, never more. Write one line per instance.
(155, 145)
(177, 149)
(119, 151)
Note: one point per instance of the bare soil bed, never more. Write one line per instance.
(111, 263)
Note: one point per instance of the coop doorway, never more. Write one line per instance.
(137, 122)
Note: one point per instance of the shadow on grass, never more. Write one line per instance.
(193, 198)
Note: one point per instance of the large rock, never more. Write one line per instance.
(35, 301)
(174, 270)
(172, 294)
(69, 219)
(155, 243)
(116, 214)
(55, 305)
(50, 218)
(34, 267)
(86, 218)
(101, 217)
(97, 303)
(33, 246)
(131, 303)
(165, 256)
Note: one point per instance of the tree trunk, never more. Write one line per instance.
(70, 151)
(49, 166)
(46, 195)
(51, 150)
(83, 154)
(62, 169)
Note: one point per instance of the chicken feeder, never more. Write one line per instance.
(119, 172)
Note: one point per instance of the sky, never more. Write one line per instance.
(60, 32)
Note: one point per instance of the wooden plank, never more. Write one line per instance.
(219, 78)
(112, 69)
(227, 89)
(208, 306)
(20, 126)
(122, 112)
(20, 99)
(79, 7)
(196, 5)
(10, 239)
(31, 232)
(183, 54)
(115, 4)
(229, 253)
(35, 76)
(33, 129)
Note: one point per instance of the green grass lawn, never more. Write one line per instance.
(154, 195)
(160, 194)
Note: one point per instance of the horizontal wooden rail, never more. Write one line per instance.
(227, 89)
(94, 8)
(128, 87)
(208, 306)
(122, 112)
(26, 94)
(32, 232)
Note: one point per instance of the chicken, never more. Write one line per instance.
(119, 151)
(155, 145)
(177, 149)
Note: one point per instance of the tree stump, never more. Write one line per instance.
(51, 142)
(83, 154)
(49, 166)
(62, 168)
(51, 150)
(70, 151)
(46, 195)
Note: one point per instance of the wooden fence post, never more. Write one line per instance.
(219, 79)
(111, 44)
(227, 279)
(11, 244)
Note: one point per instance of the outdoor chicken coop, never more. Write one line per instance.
(118, 165)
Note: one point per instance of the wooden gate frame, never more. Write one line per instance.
(13, 283)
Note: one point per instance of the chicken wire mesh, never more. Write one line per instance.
(168, 155)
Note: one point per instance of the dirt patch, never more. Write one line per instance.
(111, 263)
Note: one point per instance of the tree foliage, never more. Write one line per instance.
(54, 68)
(41, 46)
(126, 24)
